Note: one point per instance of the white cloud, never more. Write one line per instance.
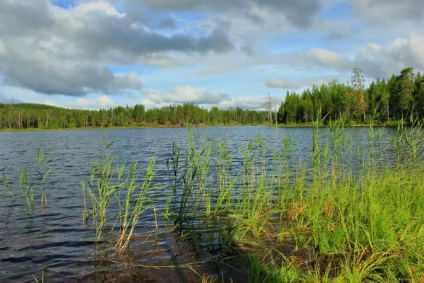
(383, 61)
(200, 96)
(297, 84)
(246, 102)
(324, 58)
(185, 94)
(389, 10)
(57, 51)
(98, 6)
(275, 82)
(101, 102)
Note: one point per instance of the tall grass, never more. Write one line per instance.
(115, 195)
(27, 183)
(7, 188)
(351, 217)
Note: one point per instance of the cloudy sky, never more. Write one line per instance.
(94, 54)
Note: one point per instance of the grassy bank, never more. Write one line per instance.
(351, 230)
(346, 214)
(343, 216)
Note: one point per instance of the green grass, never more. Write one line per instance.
(333, 222)
(29, 184)
(343, 215)
(115, 195)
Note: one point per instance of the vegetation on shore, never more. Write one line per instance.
(345, 215)
(381, 102)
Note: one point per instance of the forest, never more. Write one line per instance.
(356, 102)
(381, 101)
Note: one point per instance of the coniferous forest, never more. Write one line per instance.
(357, 101)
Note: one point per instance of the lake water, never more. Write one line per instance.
(54, 239)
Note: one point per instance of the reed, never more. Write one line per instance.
(348, 218)
(139, 192)
(116, 195)
(409, 140)
(42, 277)
(8, 189)
(343, 215)
(191, 193)
(27, 183)
(104, 183)
(27, 189)
(43, 172)
(345, 224)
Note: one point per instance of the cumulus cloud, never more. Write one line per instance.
(299, 13)
(185, 94)
(296, 84)
(201, 96)
(382, 61)
(245, 102)
(389, 10)
(56, 51)
(67, 77)
(326, 59)
(101, 102)
(275, 82)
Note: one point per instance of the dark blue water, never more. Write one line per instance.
(53, 238)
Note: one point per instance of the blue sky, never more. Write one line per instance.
(93, 54)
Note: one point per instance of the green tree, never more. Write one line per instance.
(418, 95)
(406, 86)
(358, 83)
(395, 110)
(307, 106)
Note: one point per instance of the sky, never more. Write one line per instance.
(92, 54)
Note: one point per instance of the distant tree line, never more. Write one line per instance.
(382, 101)
(25, 115)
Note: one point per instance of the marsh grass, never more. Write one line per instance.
(8, 189)
(409, 141)
(43, 172)
(28, 184)
(346, 215)
(116, 196)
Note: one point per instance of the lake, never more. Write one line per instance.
(53, 237)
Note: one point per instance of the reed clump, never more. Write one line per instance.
(28, 183)
(6, 187)
(347, 214)
(116, 195)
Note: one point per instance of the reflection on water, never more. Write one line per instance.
(53, 238)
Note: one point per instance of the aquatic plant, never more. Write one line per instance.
(341, 215)
(3, 180)
(43, 173)
(349, 218)
(136, 202)
(28, 183)
(408, 142)
(115, 193)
